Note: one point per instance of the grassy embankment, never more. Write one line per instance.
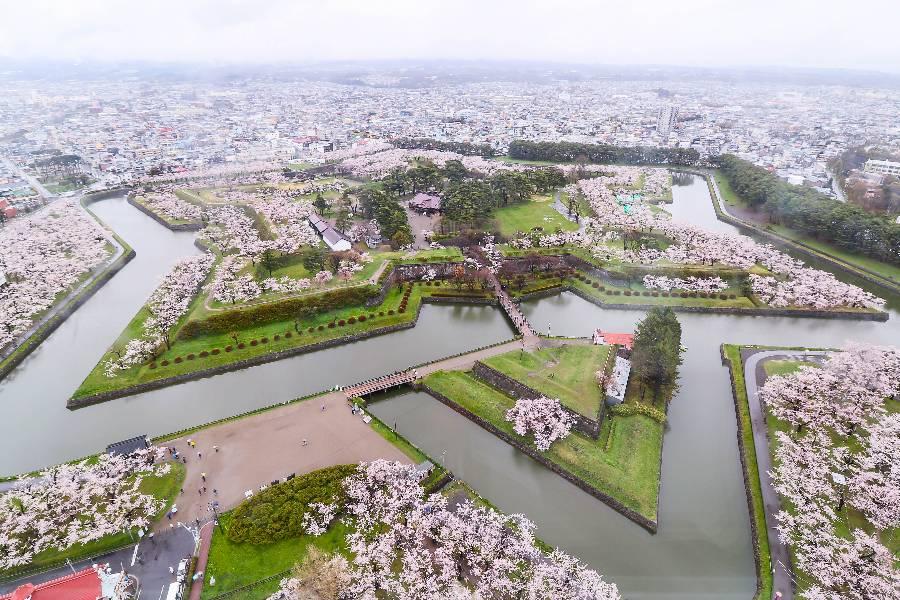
(567, 373)
(751, 476)
(164, 488)
(179, 355)
(864, 263)
(623, 463)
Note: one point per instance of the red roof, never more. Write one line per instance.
(83, 585)
(620, 339)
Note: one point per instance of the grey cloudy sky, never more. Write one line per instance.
(805, 33)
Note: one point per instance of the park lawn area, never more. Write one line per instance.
(300, 166)
(567, 373)
(97, 381)
(238, 565)
(165, 487)
(448, 254)
(784, 367)
(623, 463)
(525, 216)
(757, 514)
(729, 195)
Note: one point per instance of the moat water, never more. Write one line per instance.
(703, 546)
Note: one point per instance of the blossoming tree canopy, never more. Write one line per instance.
(77, 503)
(167, 304)
(543, 417)
(843, 449)
(414, 547)
(43, 255)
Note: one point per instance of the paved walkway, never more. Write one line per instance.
(206, 534)
(259, 449)
(754, 376)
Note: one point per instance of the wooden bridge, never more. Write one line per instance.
(370, 386)
(512, 310)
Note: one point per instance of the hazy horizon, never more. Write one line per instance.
(696, 33)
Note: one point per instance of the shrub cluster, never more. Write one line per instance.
(254, 315)
(630, 409)
(276, 513)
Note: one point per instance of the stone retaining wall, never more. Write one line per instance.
(641, 520)
(162, 221)
(516, 389)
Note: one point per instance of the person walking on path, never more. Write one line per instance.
(215, 448)
(203, 476)
(199, 454)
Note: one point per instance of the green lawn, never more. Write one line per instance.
(164, 487)
(525, 216)
(784, 367)
(757, 515)
(97, 381)
(567, 373)
(623, 462)
(237, 565)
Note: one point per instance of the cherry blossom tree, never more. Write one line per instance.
(167, 304)
(77, 503)
(407, 546)
(543, 417)
(42, 255)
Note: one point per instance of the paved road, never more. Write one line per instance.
(754, 376)
(34, 183)
(150, 563)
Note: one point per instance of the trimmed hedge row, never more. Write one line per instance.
(254, 315)
(628, 410)
(276, 513)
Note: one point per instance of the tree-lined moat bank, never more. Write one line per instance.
(697, 455)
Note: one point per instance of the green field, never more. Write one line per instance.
(525, 216)
(238, 565)
(97, 381)
(568, 373)
(623, 463)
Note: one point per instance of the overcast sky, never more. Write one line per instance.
(803, 33)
